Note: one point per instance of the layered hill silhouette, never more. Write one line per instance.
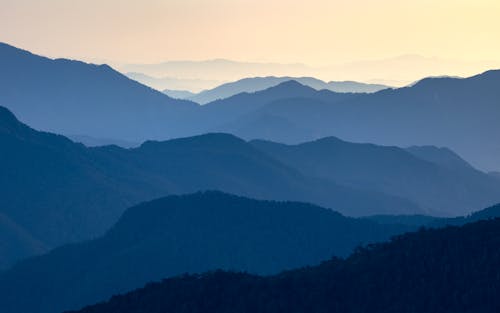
(460, 114)
(59, 191)
(96, 101)
(254, 84)
(71, 192)
(454, 269)
(415, 173)
(179, 234)
(237, 112)
(75, 98)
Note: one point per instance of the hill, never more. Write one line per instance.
(254, 84)
(71, 192)
(416, 173)
(454, 270)
(457, 113)
(179, 234)
(216, 115)
(96, 101)
(71, 97)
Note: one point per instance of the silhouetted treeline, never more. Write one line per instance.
(185, 234)
(455, 269)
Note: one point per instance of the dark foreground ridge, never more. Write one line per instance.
(453, 270)
(185, 234)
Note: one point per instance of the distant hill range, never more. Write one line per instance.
(71, 192)
(181, 87)
(460, 114)
(74, 98)
(254, 84)
(415, 173)
(450, 270)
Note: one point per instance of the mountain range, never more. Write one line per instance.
(415, 173)
(386, 71)
(250, 85)
(185, 234)
(75, 98)
(457, 113)
(98, 102)
(454, 269)
(71, 192)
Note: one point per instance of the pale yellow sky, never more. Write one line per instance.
(315, 32)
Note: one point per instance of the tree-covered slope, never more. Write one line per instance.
(179, 234)
(453, 270)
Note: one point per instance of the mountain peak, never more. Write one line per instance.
(292, 83)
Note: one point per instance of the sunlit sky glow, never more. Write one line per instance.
(314, 32)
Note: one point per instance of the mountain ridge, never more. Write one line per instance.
(186, 233)
(453, 269)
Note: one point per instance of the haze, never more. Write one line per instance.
(316, 32)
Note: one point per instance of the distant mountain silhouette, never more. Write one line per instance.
(71, 192)
(179, 94)
(178, 234)
(216, 69)
(460, 114)
(255, 84)
(71, 97)
(218, 115)
(415, 174)
(96, 101)
(175, 84)
(453, 270)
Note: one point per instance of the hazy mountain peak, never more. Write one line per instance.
(288, 86)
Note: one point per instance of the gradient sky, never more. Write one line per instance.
(315, 32)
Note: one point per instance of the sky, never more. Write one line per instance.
(313, 32)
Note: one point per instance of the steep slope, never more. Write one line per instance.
(179, 234)
(453, 270)
(441, 156)
(75, 98)
(55, 189)
(435, 179)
